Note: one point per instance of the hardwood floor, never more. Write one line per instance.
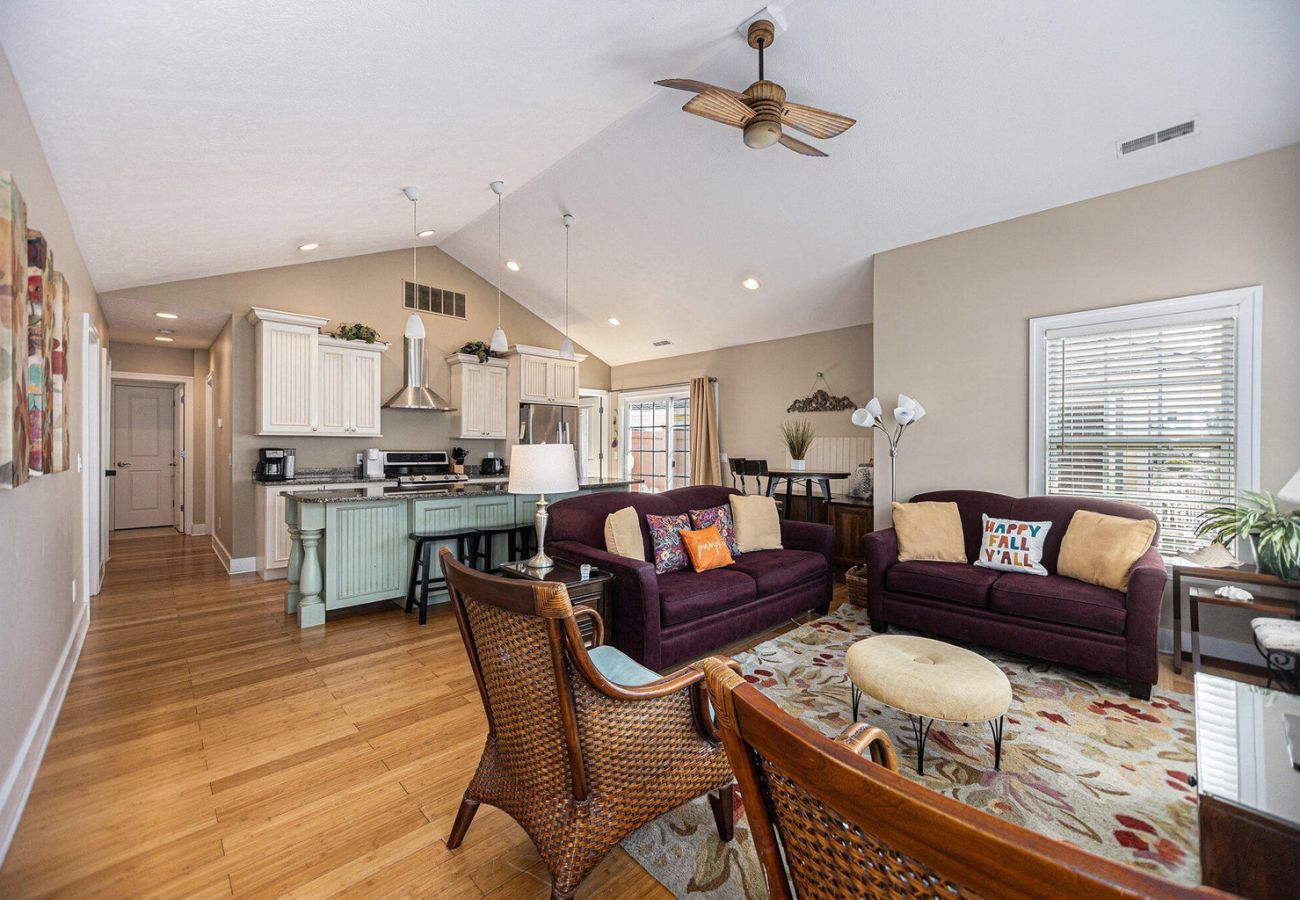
(208, 747)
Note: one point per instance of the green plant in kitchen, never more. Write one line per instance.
(798, 435)
(1274, 534)
(347, 331)
(479, 349)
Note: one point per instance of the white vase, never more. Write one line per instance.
(798, 465)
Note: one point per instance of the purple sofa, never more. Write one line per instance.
(662, 620)
(1052, 617)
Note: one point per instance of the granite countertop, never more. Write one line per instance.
(347, 474)
(464, 489)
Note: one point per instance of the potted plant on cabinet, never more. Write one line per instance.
(1274, 535)
(798, 435)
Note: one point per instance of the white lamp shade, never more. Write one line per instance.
(566, 349)
(499, 344)
(1290, 492)
(542, 469)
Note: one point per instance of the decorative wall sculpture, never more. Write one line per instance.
(34, 327)
(821, 400)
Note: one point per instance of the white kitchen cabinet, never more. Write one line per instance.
(348, 393)
(286, 371)
(309, 384)
(479, 392)
(548, 380)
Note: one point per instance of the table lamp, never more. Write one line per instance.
(542, 469)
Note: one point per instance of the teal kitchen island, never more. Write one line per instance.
(353, 547)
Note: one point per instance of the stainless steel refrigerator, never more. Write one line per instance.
(546, 423)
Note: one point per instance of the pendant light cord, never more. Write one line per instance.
(415, 233)
(500, 261)
(566, 280)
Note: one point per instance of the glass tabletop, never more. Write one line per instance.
(1248, 746)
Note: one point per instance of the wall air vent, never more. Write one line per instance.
(660, 343)
(426, 299)
(1132, 145)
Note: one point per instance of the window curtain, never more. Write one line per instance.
(706, 465)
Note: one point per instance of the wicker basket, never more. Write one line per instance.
(856, 579)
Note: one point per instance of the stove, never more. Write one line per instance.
(420, 469)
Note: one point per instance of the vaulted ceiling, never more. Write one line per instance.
(198, 139)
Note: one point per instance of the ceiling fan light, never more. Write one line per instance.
(761, 133)
(499, 344)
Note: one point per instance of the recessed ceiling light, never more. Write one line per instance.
(426, 233)
(751, 284)
(512, 265)
(163, 337)
(308, 246)
(614, 321)
(167, 315)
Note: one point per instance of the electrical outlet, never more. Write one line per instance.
(358, 459)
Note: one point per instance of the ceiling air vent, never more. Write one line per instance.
(1132, 145)
(661, 343)
(426, 299)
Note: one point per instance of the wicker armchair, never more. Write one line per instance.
(847, 827)
(579, 760)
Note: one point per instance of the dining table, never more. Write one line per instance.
(809, 477)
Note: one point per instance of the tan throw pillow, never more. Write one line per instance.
(930, 531)
(1101, 549)
(623, 534)
(757, 525)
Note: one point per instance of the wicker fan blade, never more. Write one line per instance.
(817, 122)
(695, 87)
(799, 146)
(719, 107)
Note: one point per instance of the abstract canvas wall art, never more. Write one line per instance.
(13, 334)
(38, 328)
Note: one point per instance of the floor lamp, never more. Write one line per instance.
(908, 412)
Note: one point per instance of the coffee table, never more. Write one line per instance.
(929, 680)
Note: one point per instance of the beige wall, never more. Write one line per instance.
(757, 382)
(355, 289)
(155, 359)
(40, 522)
(952, 314)
(220, 364)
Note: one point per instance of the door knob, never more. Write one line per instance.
(123, 465)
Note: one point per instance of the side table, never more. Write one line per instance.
(1287, 601)
(596, 591)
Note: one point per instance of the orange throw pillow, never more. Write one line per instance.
(707, 548)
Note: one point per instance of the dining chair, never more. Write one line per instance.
(583, 746)
(833, 818)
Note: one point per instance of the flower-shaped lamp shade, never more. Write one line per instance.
(908, 410)
(869, 415)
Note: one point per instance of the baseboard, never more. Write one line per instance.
(200, 529)
(233, 565)
(1220, 648)
(18, 781)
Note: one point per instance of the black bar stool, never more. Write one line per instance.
(757, 468)
(422, 563)
(521, 542)
(737, 464)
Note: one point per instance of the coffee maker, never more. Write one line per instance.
(272, 464)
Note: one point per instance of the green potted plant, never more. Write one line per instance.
(479, 349)
(355, 331)
(798, 435)
(1274, 535)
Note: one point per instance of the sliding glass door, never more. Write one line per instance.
(656, 439)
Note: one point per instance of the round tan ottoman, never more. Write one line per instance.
(930, 680)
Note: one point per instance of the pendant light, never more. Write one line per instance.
(566, 348)
(499, 344)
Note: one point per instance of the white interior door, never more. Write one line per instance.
(144, 449)
(591, 436)
(179, 455)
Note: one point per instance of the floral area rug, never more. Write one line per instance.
(1081, 762)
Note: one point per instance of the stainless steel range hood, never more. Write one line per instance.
(415, 394)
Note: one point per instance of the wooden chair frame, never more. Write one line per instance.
(613, 758)
(858, 828)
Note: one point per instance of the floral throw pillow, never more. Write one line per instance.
(666, 538)
(721, 517)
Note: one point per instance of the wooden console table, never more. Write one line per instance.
(1245, 576)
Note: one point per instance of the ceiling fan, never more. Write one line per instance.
(761, 109)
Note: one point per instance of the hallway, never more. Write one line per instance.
(208, 747)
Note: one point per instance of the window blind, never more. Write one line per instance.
(1147, 414)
